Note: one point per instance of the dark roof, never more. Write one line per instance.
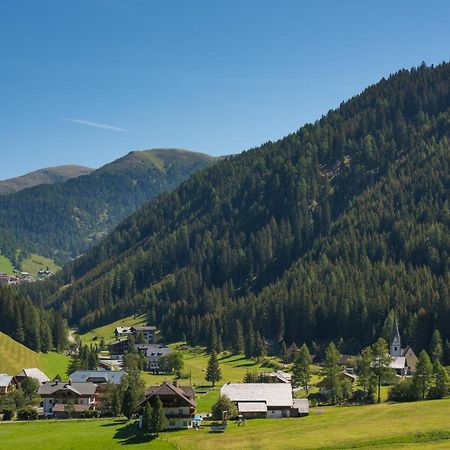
(169, 389)
(50, 387)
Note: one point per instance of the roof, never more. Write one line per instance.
(50, 387)
(34, 373)
(274, 394)
(5, 380)
(146, 328)
(252, 407)
(154, 349)
(398, 362)
(395, 334)
(81, 376)
(59, 407)
(121, 330)
(169, 389)
(302, 405)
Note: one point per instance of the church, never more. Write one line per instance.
(404, 360)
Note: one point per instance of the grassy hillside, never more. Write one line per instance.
(35, 262)
(410, 426)
(5, 265)
(15, 356)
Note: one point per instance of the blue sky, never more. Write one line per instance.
(86, 81)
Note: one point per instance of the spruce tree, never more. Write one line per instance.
(158, 421)
(441, 380)
(423, 375)
(380, 362)
(331, 371)
(213, 372)
(366, 376)
(436, 347)
(301, 371)
(146, 426)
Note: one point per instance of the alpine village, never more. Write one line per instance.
(294, 295)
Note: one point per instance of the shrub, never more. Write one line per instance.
(224, 404)
(7, 413)
(403, 392)
(91, 413)
(27, 413)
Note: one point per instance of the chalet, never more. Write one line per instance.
(97, 376)
(149, 332)
(7, 383)
(404, 360)
(67, 399)
(178, 403)
(35, 373)
(153, 352)
(118, 348)
(264, 400)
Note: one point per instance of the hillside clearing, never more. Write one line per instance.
(6, 265)
(15, 357)
(34, 263)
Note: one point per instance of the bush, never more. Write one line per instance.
(403, 392)
(91, 414)
(27, 413)
(224, 404)
(7, 413)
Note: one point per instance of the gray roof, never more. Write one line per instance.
(81, 376)
(154, 349)
(50, 387)
(5, 380)
(34, 373)
(250, 407)
(398, 362)
(302, 404)
(274, 394)
(146, 328)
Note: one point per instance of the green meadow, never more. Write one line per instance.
(419, 425)
(6, 265)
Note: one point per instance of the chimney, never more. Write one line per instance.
(175, 383)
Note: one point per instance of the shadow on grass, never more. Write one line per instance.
(129, 434)
(115, 423)
(249, 364)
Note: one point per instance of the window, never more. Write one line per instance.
(180, 411)
(184, 423)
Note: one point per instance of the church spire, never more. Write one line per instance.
(396, 345)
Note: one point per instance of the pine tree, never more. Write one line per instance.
(331, 371)
(441, 380)
(158, 421)
(436, 347)
(423, 375)
(146, 427)
(301, 371)
(213, 372)
(380, 362)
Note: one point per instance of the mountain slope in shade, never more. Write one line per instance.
(47, 175)
(63, 220)
(317, 237)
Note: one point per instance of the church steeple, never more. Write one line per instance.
(396, 343)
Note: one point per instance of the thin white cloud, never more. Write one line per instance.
(104, 126)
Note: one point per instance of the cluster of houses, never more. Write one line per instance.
(18, 278)
(149, 348)
(9, 383)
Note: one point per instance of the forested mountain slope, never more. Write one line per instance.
(63, 220)
(314, 237)
(43, 176)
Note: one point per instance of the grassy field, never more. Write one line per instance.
(35, 262)
(15, 357)
(5, 265)
(107, 331)
(414, 426)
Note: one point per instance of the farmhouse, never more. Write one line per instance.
(35, 373)
(153, 352)
(118, 348)
(65, 399)
(149, 332)
(7, 383)
(178, 403)
(404, 360)
(265, 400)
